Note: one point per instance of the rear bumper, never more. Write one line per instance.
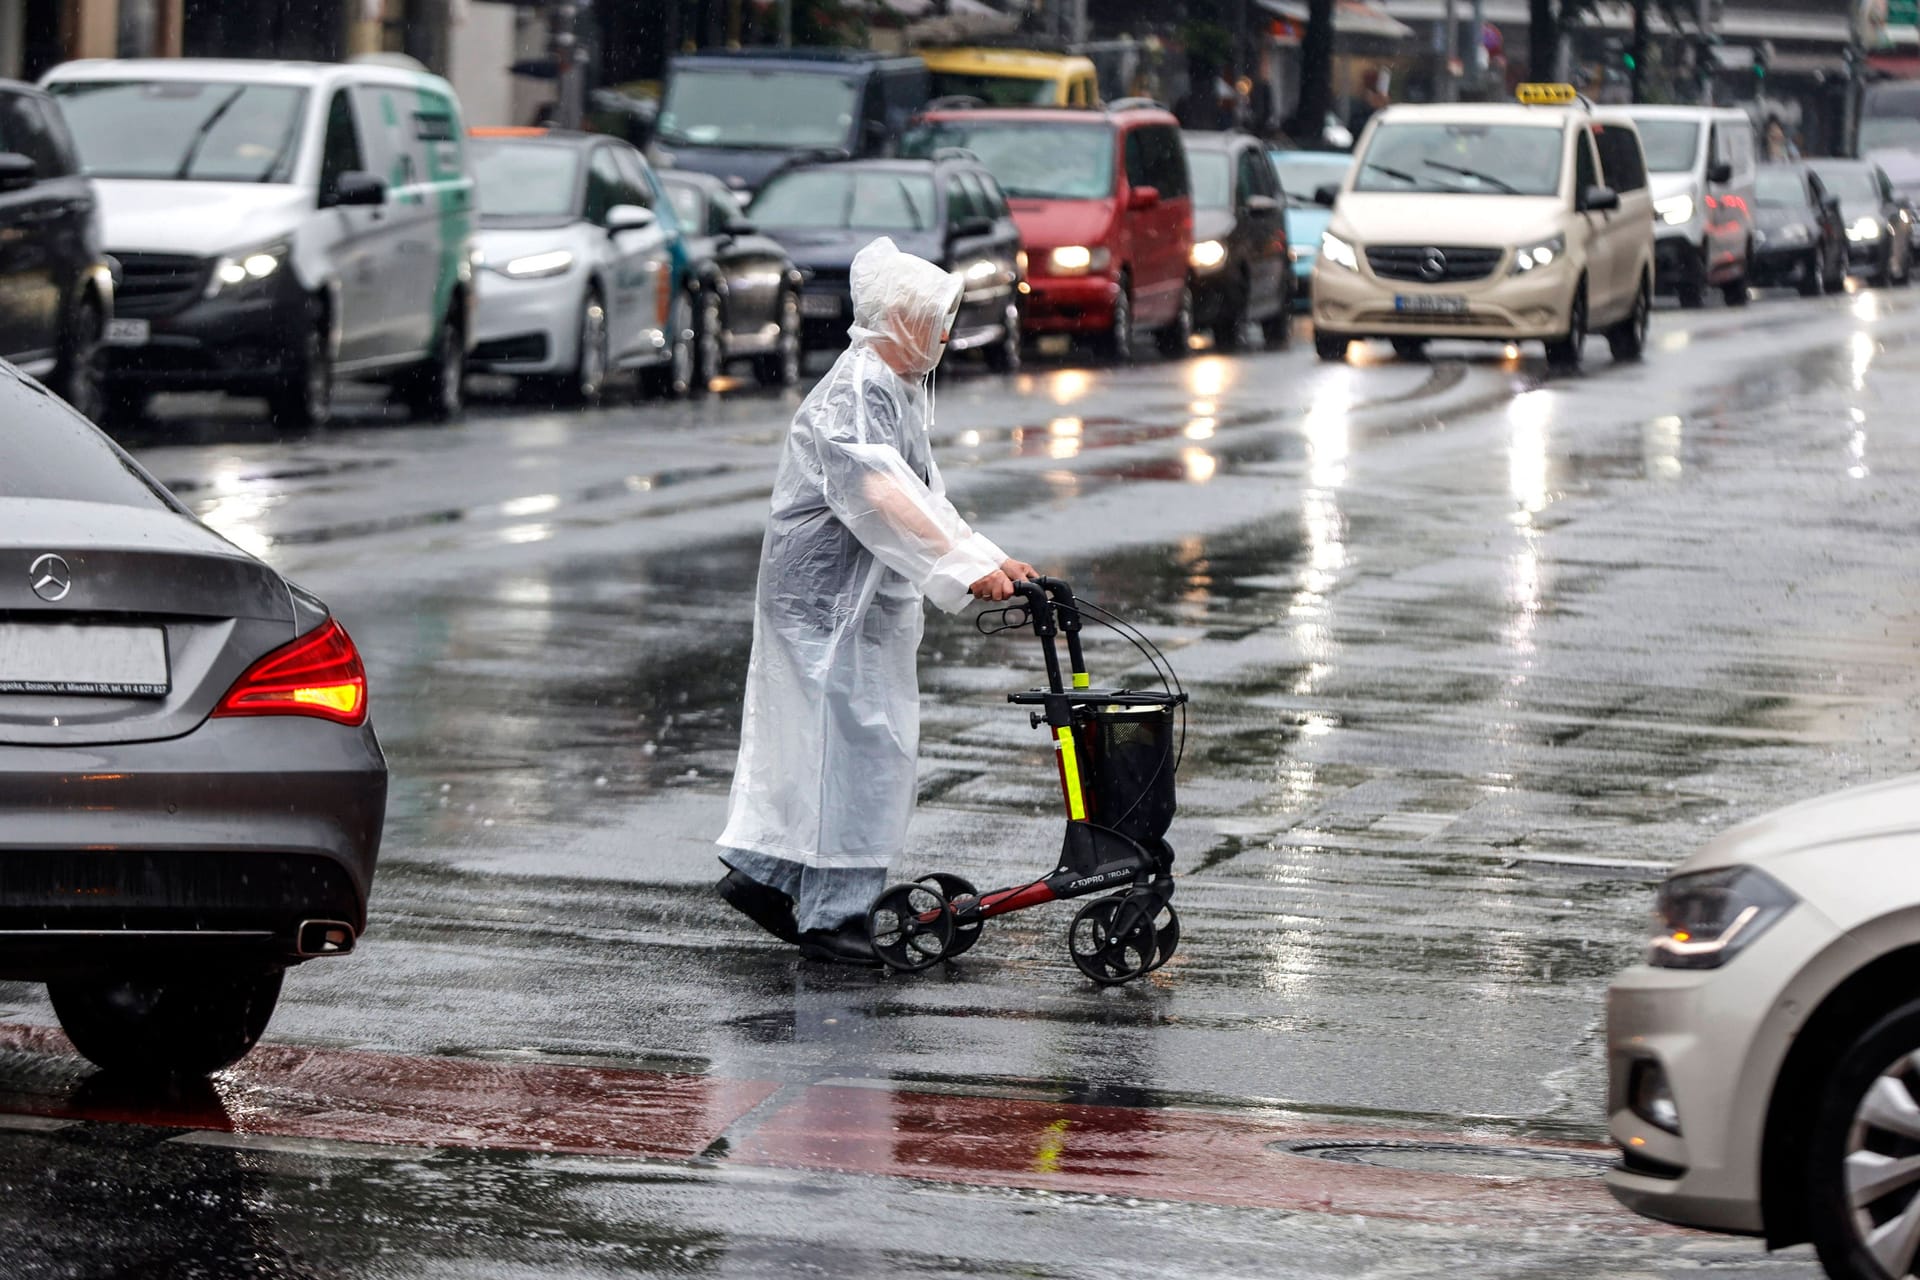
(242, 340)
(1071, 304)
(223, 840)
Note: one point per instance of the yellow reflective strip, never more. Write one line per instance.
(1070, 769)
(1082, 680)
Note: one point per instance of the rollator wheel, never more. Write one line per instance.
(1166, 936)
(1107, 956)
(957, 890)
(911, 926)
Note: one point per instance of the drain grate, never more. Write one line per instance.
(1464, 1159)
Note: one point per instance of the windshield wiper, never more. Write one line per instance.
(1398, 175)
(201, 134)
(1476, 175)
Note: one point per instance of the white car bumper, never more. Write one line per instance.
(527, 326)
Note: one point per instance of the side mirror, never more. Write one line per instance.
(1720, 173)
(1325, 196)
(1599, 200)
(354, 187)
(1262, 205)
(16, 171)
(1143, 197)
(628, 217)
(969, 228)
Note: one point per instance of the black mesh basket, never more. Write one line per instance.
(1129, 771)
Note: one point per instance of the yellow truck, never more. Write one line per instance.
(1014, 77)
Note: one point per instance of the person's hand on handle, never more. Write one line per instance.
(995, 586)
(1018, 570)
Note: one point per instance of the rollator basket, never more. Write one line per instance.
(1129, 769)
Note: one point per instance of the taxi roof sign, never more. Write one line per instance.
(1547, 95)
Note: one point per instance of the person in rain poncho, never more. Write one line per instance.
(861, 531)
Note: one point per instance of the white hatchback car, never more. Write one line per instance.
(1764, 1064)
(583, 268)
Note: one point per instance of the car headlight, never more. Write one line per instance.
(1864, 229)
(1543, 254)
(1704, 919)
(1077, 260)
(1208, 254)
(1674, 210)
(1337, 251)
(536, 266)
(246, 267)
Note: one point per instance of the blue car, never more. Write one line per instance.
(1302, 173)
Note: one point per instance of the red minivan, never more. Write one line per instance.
(1104, 206)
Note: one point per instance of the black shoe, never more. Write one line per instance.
(849, 944)
(769, 908)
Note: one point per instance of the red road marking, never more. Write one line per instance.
(1210, 1157)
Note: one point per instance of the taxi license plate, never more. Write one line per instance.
(820, 306)
(128, 333)
(125, 662)
(1431, 304)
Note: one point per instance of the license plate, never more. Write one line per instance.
(1431, 304)
(124, 662)
(820, 306)
(128, 333)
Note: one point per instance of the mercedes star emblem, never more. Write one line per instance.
(51, 578)
(1433, 264)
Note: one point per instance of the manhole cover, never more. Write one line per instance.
(1465, 1159)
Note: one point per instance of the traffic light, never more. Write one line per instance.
(1762, 59)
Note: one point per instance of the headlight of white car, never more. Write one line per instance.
(1705, 918)
(1542, 254)
(1337, 251)
(1674, 210)
(536, 266)
(1207, 254)
(1864, 229)
(246, 267)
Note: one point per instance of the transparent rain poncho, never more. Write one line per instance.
(861, 531)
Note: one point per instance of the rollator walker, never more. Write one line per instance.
(1117, 758)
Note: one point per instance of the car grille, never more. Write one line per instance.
(526, 348)
(1411, 262)
(1433, 320)
(157, 284)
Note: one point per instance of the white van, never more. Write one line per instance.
(278, 225)
(1701, 162)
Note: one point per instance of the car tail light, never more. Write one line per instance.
(320, 674)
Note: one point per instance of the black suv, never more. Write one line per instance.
(56, 292)
(947, 209)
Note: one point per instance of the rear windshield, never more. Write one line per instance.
(861, 201)
(46, 451)
(1671, 145)
(1040, 160)
(184, 129)
(525, 179)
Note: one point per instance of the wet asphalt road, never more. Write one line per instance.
(1475, 656)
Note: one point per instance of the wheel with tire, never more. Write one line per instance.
(1813, 275)
(1735, 293)
(781, 366)
(588, 381)
(174, 1026)
(1565, 353)
(1628, 339)
(709, 341)
(1004, 355)
(1171, 341)
(435, 389)
(670, 379)
(1883, 274)
(302, 399)
(1410, 348)
(1905, 277)
(1117, 343)
(78, 377)
(1836, 278)
(1277, 329)
(1692, 294)
(1330, 347)
(1862, 1199)
(1229, 331)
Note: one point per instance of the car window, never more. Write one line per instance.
(977, 195)
(516, 179)
(689, 203)
(1136, 157)
(437, 137)
(1212, 179)
(727, 106)
(48, 452)
(387, 142)
(605, 187)
(1056, 160)
(726, 209)
(1255, 174)
(25, 131)
(1620, 160)
(1671, 145)
(340, 150)
(184, 130)
(1886, 186)
(868, 201)
(1166, 160)
(1585, 172)
(996, 200)
(1779, 187)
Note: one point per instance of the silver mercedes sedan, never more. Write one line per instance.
(191, 795)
